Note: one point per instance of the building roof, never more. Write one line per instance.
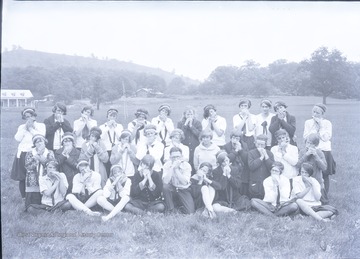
(15, 94)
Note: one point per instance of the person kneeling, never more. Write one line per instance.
(86, 189)
(116, 192)
(276, 201)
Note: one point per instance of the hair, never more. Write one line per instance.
(148, 160)
(279, 103)
(88, 107)
(205, 133)
(267, 102)
(278, 165)
(96, 131)
(188, 108)
(28, 110)
(207, 108)
(124, 134)
(281, 132)
(247, 101)
(53, 162)
(112, 111)
(177, 132)
(236, 133)
(261, 137)
(175, 149)
(321, 106)
(165, 107)
(61, 106)
(220, 156)
(313, 138)
(112, 170)
(206, 164)
(308, 168)
(141, 111)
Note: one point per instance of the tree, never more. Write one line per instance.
(328, 72)
(176, 86)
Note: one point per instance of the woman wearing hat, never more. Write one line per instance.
(86, 189)
(192, 129)
(151, 146)
(95, 152)
(24, 136)
(206, 151)
(124, 153)
(35, 161)
(263, 121)
(56, 126)
(245, 122)
(282, 120)
(318, 125)
(83, 125)
(164, 125)
(176, 136)
(214, 123)
(116, 192)
(67, 156)
(137, 126)
(111, 131)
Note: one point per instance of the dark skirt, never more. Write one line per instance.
(331, 164)
(32, 198)
(18, 171)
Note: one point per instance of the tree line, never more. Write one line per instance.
(325, 73)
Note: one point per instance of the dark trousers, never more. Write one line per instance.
(180, 197)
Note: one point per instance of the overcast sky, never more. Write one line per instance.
(190, 38)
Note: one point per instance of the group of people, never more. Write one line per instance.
(157, 166)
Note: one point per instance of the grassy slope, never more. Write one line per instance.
(248, 235)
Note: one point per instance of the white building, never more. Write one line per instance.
(15, 98)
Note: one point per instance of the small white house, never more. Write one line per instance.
(15, 98)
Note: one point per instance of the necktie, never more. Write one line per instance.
(112, 140)
(147, 152)
(278, 197)
(244, 127)
(85, 132)
(264, 125)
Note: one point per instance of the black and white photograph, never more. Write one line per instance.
(180, 129)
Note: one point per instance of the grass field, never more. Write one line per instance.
(245, 235)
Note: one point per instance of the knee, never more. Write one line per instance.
(100, 199)
(166, 187)
(160, 207)
(254, 202)
(70, 197)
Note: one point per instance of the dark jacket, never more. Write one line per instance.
(241, 159)
(68, 165)
(289, 125)
(52, 127)
(146, 194)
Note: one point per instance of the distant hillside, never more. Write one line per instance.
(24, 58)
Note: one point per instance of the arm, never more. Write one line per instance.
(51, 125)
(116, 155)
(325, 130)
(291, 155)
(320, 160)
(254, 160)
(108, 188)
(101, 152)
(289, 125)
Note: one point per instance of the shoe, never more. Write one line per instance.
(104, 218)
(205, 213)
(212, 214)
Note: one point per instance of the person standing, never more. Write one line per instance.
(263, 121)
(137, 126)
(164, 125)
(83, 125)
(214, 123)
(56, 126)
(24, 136)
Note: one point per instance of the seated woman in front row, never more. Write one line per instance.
(307, 193)
(116, 192)
(277, 188)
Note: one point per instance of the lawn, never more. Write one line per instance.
(245, 235)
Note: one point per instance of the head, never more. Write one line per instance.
(282, 136)
(318, 110)
(244, 104)
(87, 111)
(112, 114)
(28, 114)
(83, 166)
(277, 168)
(117, 171)
(177, 135)
(141, 114)
(147, 162)
(39, 141)
(312, 141)
(59, 108)
(150, 132)
(265, 106)
(175, 154)
(125, 137)
(235, 136)
(51, 166)
(205, 167)
(206, 136)
(95, 133)
(189, 112)
(280, 107)
(68, 139)
(209, 111)
(164, 110)
(306, 170)
(260, 141)
(222, 158)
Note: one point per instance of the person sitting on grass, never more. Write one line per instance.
(307, 193)
(277, 194)
(203, 189)
(176, 183)
(116, 193)
(146, 189)
(176, 136)
(86, 189)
